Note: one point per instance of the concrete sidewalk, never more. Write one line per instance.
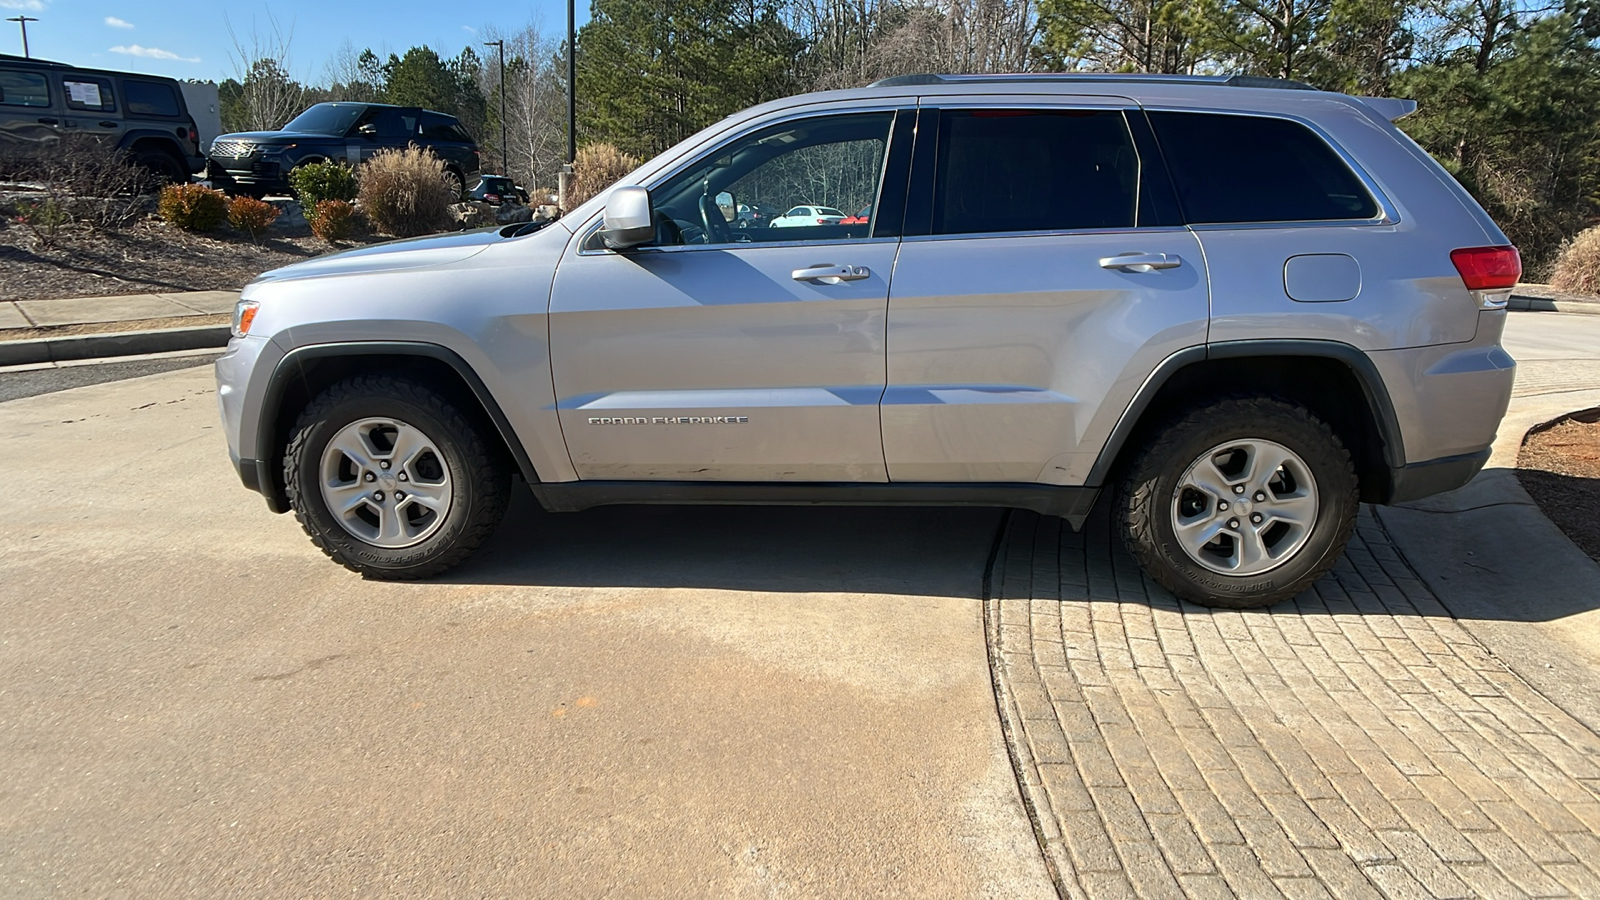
(124, 308)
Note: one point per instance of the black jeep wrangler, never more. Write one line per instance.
(144, 116)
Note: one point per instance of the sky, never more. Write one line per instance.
(192, 40)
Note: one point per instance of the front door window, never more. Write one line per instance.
(783, 183)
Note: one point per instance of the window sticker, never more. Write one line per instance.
(84, 92)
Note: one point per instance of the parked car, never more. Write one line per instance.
(1306, 314)
(143, 116)
(257, 163)
(753, 215)
(808, 215)
(497, 189)
(861, 218)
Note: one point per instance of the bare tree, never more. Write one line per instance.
(269, 96)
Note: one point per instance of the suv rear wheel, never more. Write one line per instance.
(1240, 503)
(391, 480)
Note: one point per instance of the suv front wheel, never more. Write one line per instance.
(391, 480)
(1240, 503)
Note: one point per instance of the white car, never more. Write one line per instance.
(808, 215)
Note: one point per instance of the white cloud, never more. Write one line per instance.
(151, 52)
(24, 5)
(469, 29)
(115, 22)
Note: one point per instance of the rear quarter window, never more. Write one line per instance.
(151, 98)
(1232, 169)
(23, 89)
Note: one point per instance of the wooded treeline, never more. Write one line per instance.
(1509, 89)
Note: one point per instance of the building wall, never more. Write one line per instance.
(201, 98)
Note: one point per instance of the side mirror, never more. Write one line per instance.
(629, 218)
(730, 210)
(368, 130)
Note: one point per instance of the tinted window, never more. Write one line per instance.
(393, 123)
(441, 128)
(149, 98)
(23, 89)
(1034, 170)
(88, 94)
(1257, 169)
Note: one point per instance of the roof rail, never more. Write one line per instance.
(1250, 81)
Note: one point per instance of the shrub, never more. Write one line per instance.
(1577, 269)
(315, 182)
(44, 218)
(87, 182)
(250, 215)
(597, 167)
(332, 220)
(403, 192)
(192, 207)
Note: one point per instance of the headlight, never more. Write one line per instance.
(244, 314)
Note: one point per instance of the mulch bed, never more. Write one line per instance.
(1559, 466)
(148, 256)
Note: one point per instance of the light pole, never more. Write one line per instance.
(24, 20)
(505, 167)
(564, 179)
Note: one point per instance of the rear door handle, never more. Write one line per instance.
(1141, 262)
(831, 274)
(49, 121)
(107, 124)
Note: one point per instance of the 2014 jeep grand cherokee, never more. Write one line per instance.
(1236, 307)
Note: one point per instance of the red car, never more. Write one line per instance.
(860, 218)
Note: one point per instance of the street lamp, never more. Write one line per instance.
(24, 20)
(505, 167)
(565, 177)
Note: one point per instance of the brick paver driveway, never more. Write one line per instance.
(1356, 743)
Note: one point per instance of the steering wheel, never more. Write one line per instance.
(716, 225)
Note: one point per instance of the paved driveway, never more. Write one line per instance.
(631, 703)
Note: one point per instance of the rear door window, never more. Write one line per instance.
(150, 98)
(441, 128)
(1006, 170)
(1235, 169)
(23, 89)
(88, 93)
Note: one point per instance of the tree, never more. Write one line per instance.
(420, 78)
(651, 74)
(266, 96)
(1512, 109)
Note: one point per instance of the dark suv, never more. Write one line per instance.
(259, 162)
(42, 102)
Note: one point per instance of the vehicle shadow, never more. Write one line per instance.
(914, 551)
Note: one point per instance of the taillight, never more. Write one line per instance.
(1488, 268)
(822, 221)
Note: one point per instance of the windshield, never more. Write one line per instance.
(326, 118)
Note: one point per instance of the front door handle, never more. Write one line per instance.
(1141, 262)
(831, 274)
(49, 121)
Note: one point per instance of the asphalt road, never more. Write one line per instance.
(30, 382)
(624, 702)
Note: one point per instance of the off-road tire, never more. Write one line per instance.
(1145, 499)
(479, 473)
(164, 168)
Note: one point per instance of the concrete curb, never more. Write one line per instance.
(123, 343)
(1522, 303)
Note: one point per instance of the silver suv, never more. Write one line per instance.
(1234, 307)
